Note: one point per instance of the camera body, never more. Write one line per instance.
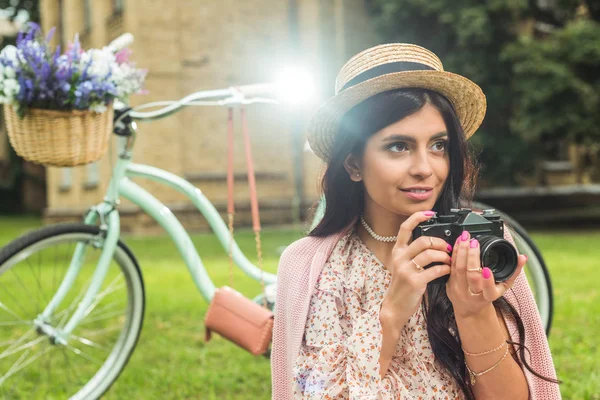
(496, 253)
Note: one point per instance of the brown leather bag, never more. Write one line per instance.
(231, 314)
(240, 320)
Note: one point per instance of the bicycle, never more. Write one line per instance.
(94, 307)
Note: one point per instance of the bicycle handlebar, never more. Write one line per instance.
(258, 90)
(245, 94)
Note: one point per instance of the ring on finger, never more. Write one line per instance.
(475, 269)
(474, 294)
(416, 265)
(431, 241)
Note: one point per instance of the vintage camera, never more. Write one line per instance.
(488, 228)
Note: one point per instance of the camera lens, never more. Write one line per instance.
(498, 255)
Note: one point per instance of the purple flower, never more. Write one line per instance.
(48, 79)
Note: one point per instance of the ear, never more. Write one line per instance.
(353, 168)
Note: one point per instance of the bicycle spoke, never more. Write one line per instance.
(23, 364)
(101, 317)
(43, 293)
(39, 294)
(89, 343)
(103, 331)
(103, 294)
(74, 303)
(13, 298)
(13, 323)
(22, 284)
(17, 363)
(103, 308)
(19, 341)
(14, 314)
(26, 346)
(83, 354)
(73, 370)
(110, 321)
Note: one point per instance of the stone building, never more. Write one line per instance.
(209, 44)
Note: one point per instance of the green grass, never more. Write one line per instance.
(172, 361)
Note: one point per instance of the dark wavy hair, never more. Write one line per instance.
(344, 202)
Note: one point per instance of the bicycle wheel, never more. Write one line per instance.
(535, 270)
(31, 365)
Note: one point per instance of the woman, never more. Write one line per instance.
(357, 316)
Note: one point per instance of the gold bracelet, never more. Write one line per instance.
(485, 352)
(474, 375)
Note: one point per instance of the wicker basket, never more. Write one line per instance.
(59, 138)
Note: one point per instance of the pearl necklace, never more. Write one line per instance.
(375, 236)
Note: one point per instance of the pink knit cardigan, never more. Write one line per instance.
(299, 269)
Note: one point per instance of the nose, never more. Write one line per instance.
(420, 166)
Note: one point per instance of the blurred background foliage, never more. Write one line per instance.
(537, 61)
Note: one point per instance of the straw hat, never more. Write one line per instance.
(387, 67)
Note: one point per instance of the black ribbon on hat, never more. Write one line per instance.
(389, 68)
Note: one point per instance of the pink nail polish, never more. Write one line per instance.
(474, 243)
(429, 213)
(449, 247)
(486, 273)
(464, 236)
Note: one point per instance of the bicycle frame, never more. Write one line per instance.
(121, 185)
(107, 213)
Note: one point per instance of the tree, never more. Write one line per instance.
(32, 7)
(490, 43)
(557, 82)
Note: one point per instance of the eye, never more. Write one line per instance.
(441, 145)
(397, 147)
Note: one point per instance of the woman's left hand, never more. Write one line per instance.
(471, 287)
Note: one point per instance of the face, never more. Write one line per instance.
(408, 153)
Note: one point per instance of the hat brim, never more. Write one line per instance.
(466, 97)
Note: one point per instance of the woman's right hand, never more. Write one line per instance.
(408, 282)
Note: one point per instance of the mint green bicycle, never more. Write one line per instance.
(72, 295)
(72, 299)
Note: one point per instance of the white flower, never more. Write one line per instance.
(10, 84)
(11, 88)
(102, 60)
(10, 73)
(9, 53)
(127, 80)
(98, 107)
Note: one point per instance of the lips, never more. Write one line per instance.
(418, 194)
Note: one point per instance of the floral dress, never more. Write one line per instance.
(339, 356)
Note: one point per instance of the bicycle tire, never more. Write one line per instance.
(543, 275)
(128, 337)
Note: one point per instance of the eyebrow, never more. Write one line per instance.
(411, 139)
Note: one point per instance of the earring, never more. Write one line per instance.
(357, 174)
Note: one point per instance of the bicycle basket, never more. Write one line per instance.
(59, 138)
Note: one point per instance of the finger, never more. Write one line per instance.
(473, 271)
(434, 272)
(424, 243)
(511, 281)
(490, 289)
(430, 256)
(408, 226)
(460, 257)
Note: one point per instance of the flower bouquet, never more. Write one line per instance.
(58, 107)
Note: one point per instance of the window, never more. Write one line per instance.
(118, 6)
(87, 15)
